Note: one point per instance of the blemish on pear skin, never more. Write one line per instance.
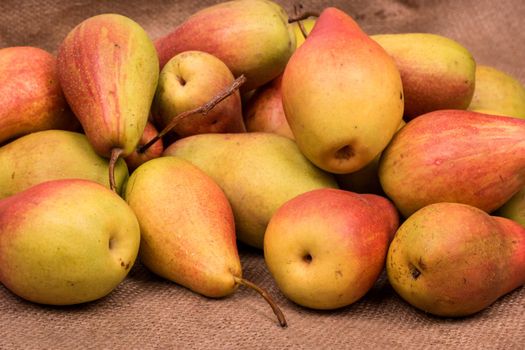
(13, 175)
(338, 273)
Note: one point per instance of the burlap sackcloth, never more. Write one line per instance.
(146, 312)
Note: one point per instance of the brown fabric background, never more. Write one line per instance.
(147, 312)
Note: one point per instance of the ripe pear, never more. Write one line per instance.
(30, 95)
(187, 227)
(188, 81)
(265, 113)
(454, 156)
(66, 242)
(108, 69)
(135, 159)
(258, 172)
(252, 37)
(342, 95)
(326, 248)
(452, 259)
(498, 93)
(51, 155)
(437, 72)
(514, 208)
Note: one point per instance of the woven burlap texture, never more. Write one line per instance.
(146, 312)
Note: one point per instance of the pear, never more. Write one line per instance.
(498, 93)
(308, 24)
(108, 69)
(252, 37)
(452, 259)
(66, 242)
(326, 248)
(265, 113)
(454, 156)
(437, 72)
(137, 158)
(188, 81)
(258, 172)
(51, 155)
(342, 95)
(187, 227)
(514, 208)
(30, 95)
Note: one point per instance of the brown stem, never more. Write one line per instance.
(303, 29)
(115, 154)
(303, 16)
(204, 109)
(266, 296)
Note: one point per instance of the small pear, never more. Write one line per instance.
(452, 259)
(137, 158)
(252, 37)
(66, 242)
(342, 95)
(437, 72)
(187, 227)
(498, 93)
(258, 172)
(308, 24)
(51, 155)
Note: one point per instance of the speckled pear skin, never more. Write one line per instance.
(108, 69)
(252, 37)
(454, 156)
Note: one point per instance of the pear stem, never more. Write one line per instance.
(115, 154)
(303, 16)
(204, 109)
(266, 296)
(303, 29)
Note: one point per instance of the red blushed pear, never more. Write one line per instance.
(326, 248)
(342, 95)
(108, 69)
(252, 37)
(454, 156)
(137, 158)
(30, 95)
(452, 259)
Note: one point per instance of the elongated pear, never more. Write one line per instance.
(342, 95)
(258, 172)
(52, 155)
(108, 69)
(187, 227)
(437, 72)
(498, 93)
(252, 37)
(454, 156)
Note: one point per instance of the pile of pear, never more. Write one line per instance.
(340, 156)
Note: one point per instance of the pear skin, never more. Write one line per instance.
(437, 72)
(326, 248)
(51, 155)
(454, 156)
(31, 98)
(342, 95)
(108, 69)
(66, 242)
(186, 224)
(188, 81)
(258, 172)
(514, 208)
(452, 259)
(497, 93)
(252, 37)
(135, 159)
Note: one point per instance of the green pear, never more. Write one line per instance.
(187, 227)
(188, 81)
(326, 248)
(498, 93)
(252, 37)
(257, 171)
(108, 69)
(342, 95)
(514, 208)
(437, 72)
(52, 155)
(452, 259)
(30, 95)
(66, 242)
